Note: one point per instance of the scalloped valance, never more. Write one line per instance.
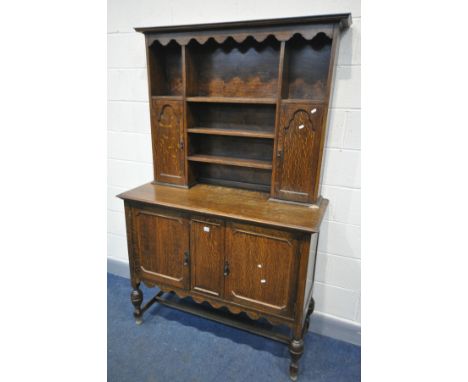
(281, 33)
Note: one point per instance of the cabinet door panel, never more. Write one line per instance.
(297, 154)
(163, 244)
(168, 141)
(207, 256)
(262, 265)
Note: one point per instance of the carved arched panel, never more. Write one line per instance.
(297, 152)
(168, 145)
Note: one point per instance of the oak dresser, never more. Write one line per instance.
(232, 218)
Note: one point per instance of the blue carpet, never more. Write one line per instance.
(174, 346)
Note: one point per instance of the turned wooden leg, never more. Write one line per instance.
(296, 348)
(137, 298)
(310, 310)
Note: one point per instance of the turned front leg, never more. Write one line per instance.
(137, 298)
(296, 348)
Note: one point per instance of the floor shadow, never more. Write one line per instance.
(221, 330)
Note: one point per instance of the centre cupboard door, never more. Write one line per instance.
(261, 266)
(207, 255)
(163, 246)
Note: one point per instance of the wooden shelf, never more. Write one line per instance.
(302, 100)
(236, 184)
(232, 133)
(270, 101)
(168, 97)
(230, 161)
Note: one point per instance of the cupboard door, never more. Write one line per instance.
(207, 256)
(261, 268)
(168, 141)
(163, 247)
(297, 152)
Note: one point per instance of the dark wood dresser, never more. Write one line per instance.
(238, 122)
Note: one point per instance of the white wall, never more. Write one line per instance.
(338, 277)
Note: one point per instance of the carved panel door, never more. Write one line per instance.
(168, 142)
(297, 152)
(163, 247)
(261, 266)
(207, 256)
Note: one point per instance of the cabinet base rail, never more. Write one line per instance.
(164, 299)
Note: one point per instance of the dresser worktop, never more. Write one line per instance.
(252, 206)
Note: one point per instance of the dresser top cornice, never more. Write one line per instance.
(245, 205)
(344, 19)
(282, 29)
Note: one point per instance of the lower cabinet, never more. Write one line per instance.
(249, 265)
(255, 269)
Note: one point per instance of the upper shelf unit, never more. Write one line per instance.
(232, 103)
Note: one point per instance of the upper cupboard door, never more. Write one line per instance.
(163, 247)
(168, 141)
(297, 152)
